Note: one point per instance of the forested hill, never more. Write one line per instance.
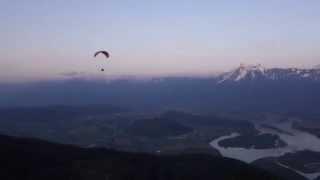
(34, 159)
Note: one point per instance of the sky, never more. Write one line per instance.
(47, 39)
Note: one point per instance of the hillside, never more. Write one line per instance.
(157, 128)
(37, 160)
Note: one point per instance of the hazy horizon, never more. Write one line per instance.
(43, 40)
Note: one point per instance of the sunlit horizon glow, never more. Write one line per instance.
(48, 39)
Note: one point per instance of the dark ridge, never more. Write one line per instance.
(23, 158)
(271, 165)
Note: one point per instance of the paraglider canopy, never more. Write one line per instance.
(105, 53)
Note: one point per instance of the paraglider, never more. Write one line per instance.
(105, 53)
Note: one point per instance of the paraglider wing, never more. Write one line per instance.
(102, 52)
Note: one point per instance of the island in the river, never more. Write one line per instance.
(259, 141)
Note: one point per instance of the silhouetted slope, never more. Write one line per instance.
(270, 165)
(35, 159)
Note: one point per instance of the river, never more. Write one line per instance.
(296, 140)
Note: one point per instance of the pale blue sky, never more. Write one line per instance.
(42, 39)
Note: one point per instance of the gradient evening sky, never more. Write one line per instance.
(43, 39)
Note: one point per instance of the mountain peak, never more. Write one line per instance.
(317, 66)
(258, 72)
(250, 66)
(244, 72)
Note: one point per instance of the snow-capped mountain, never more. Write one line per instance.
(317, 66)
(258, 72)
(243, 72)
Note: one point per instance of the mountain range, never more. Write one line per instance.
(246, 88)
(258, 72)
